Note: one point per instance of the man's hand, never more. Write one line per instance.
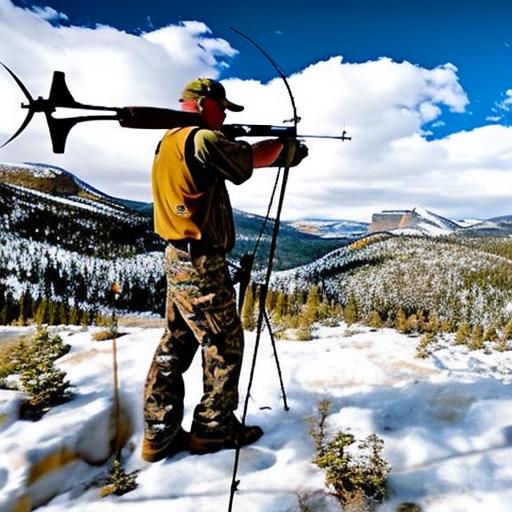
(292, 154)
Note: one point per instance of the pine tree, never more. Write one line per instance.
(304, 330)
(337, 311)
(4, 314)
(374, 320)
(120, 481)
(41, 312)
(39, 378)
(270, 300)
(422, 321)
(52, 312)
(433, 324)
(73, 316)
(446, 326)
(477, 338)
(25, 308)
(462, 334)
(248, 317)
(100, 320)
(401, 324)
(280, 307)
(85, 319)
(11, 309)
(502, 344)
(490, 333)
(507, 331)
(296, 301)
(424, 346)
(350, 311)
(63, 315)
(324, 311)
(412, 323)
(310, 312)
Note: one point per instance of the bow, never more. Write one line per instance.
(295, 119)
(262, 315)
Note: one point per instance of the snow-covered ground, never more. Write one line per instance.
(446, 423)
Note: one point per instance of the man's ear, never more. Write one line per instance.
(200, 104)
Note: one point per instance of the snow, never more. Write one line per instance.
(57, 199)
(433, 218)
(77, 202)
(467, 223)
(446, 423)
(331, 228)
(39, 171)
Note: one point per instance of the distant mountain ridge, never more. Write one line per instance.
(48, 178)
(420, 221)
(417, 220)
(66, 241)
(331, 228)
(56, 199)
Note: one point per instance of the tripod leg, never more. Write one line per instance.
(269, 327)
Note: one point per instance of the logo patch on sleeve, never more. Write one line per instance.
(182, 210)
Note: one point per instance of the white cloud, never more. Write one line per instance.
(507, 102)
(48, 13)
(389, 163)
(103, 66)
(501, 108)
(384, 105)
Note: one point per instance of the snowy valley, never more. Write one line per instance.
(406, 331)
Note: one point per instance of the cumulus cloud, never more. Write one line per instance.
(103, 66)
(386, 106)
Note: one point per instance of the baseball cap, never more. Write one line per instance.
(208, 88)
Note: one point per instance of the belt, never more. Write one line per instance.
(195, 247)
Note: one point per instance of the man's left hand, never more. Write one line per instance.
(292, 154)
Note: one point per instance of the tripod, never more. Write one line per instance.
(243, 276)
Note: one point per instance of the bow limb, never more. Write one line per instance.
(279, 70)
(265, 286)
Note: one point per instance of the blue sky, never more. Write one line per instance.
(424, 88)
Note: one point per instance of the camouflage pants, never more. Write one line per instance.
(201, 311)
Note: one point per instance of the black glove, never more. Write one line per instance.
(292, 154)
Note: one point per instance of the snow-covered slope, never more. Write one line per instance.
(434, 224)
(499, 226)
(452, 278)
(40, 174)
(445, 423)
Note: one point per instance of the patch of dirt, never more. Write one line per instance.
(146, 323)
(80, 357)
(414, 368)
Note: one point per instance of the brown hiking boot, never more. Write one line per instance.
(152, 453)
(210, 442)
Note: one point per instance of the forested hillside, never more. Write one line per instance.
(64, 242)
(459, 281)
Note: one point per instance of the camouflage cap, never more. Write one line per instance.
(208, 88)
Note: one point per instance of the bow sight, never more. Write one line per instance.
(129, 117)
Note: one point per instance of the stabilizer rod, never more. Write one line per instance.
(128, 117)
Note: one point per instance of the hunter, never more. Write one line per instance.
(192, 212)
